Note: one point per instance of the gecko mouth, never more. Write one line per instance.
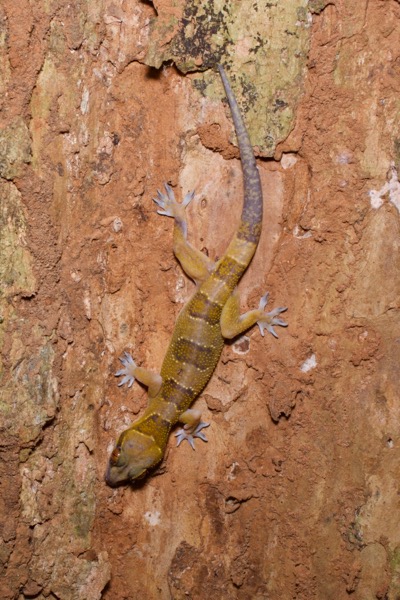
(116, 476)
(138, 477)
(109, 479)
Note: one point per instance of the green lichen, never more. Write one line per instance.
(197, 40)
(396, 144)
(317, 6)
(5, 68)
(32, 376)
(15, 149)
(57, 41)
(395, 559)
(394, 562)
(264, 43)
(83, 513)
(16, 271)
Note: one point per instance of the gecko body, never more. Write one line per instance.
(210, 316)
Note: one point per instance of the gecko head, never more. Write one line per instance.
(134, 454)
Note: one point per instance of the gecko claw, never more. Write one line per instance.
(188, 198)
(186, 434)
(128, 371)
(271, 319)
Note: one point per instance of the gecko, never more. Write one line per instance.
(209, 317)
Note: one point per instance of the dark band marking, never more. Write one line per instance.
(202, 308)
(202, 357)
(229, 270)
(250, 232)
(155, 426)
(157, 420)
(175, 392)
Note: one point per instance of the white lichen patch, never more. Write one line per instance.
(233, 469)
(309, 363)
(181, 291)
(106, 145)
(288, 161)
(391, 189)
(301, 236)
(75, 276)
(153, 518)
(85, 101)
(87, 305)
(242, 345)
(117, 224)
(345, 157)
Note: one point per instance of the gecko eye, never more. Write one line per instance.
(115, 455)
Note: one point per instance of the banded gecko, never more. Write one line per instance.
(209, 317)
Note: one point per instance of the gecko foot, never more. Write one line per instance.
(271, 319)
(189, 435)
(128, 372)
(171, 208)
(168, 205)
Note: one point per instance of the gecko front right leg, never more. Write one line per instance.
(131, 371)
(192, 427)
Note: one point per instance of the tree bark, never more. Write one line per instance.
(296, 493)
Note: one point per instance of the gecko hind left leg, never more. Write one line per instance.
(196, 265)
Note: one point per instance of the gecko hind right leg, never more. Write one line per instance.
(233, 323)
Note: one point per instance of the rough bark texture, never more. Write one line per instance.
(296, 495)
